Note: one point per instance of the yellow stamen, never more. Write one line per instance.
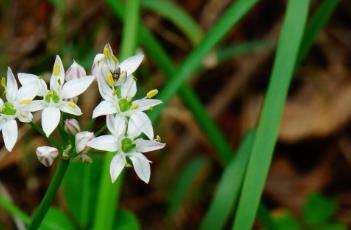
(152, 93)
(158, 138)
(134, 106)
(107, 52)
(110, 80)
(3, 82)
(56, 70)
(25, 102)
(72, 105)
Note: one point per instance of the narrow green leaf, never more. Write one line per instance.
(193, 61)
(318, 209)
(184, 182)
(228, 188)
(267, 131)
(80, 190)
(126, 220)
(13, 210)
(315, 25)
(177, 16)
(56, 220)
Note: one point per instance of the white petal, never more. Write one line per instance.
(1, 102)
(116, 124)
(76, 87)
(27, 78)
(71, 108)
(104, 108)
(24, 116)
(141, 166)
(131, 64)
(11, 86)
(50, 119)
(104, 143)
(146, 104)
(129, 88)
(82, 139)
(56, 81)
(10, 133)
(138, 123)
(116, 166)
(105, 91)
(34, 106)
(26, 92)
(75, 71)
(147, 145)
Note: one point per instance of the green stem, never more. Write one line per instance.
(49, 196)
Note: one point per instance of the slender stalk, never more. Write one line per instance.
(13, 210)
(49, 196)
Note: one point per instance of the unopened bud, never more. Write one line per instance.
(72, 126)
(75, 71)
(46, 155)
(82, 140)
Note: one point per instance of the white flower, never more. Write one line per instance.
(127, 146)
(82, 139)
(46, 155)
(75, 71)
(72, 126)
(56, 98)
(107, 68)
(17, 106)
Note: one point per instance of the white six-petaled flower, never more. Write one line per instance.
(127, 145)
(58, 97)
(18, 105)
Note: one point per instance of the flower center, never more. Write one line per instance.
(8, 109)
(124, 104)
(52, 96)
(127, 145)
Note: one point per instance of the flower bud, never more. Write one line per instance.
(75, 71)
(72, 126)
(82, 140)
(46, 155)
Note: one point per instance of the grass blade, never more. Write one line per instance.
(267, 131)
(315, 25)
(177, 16)
(235, 12)
(228, 188)
(109, 193)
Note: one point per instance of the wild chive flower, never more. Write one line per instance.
(18, 105)
(128, 146)
(82, 139)
(72, 126)
(57, 98)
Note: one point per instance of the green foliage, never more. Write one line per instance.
(285, 221)
(80, 190)
(56, 220)
(126, 220)
(228, 188)
(181, 190)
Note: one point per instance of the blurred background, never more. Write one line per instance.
(311, 169)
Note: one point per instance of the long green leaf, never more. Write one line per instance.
(184, 182)
(315, 25)
(177, 16)
(228, 188)
(109, 193)
(267, 131)
(234, 13)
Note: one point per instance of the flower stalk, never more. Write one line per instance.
(49, 196)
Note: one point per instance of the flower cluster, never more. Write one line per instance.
(130, 130)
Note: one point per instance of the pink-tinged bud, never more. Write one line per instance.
(46, 155)
(75, 71)
(82, 140)
(72, 126)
